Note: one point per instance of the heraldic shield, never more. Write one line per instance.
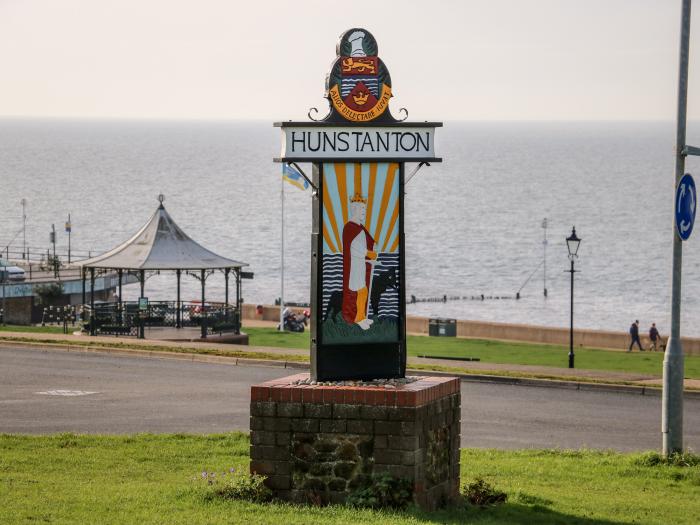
(358, 85)
(360, 288)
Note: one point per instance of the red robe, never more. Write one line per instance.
(350, 231)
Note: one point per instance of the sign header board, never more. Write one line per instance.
(309, 142)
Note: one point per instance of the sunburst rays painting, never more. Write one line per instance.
(361, 243)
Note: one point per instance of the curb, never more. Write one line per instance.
(245, 361)
(156, 354)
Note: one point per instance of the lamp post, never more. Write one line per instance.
(572, 244)
(23, 202)
(52, 239)
(69, 227)
(544, 260)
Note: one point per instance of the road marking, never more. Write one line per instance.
(67, 393)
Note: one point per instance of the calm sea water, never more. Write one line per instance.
(473, 223)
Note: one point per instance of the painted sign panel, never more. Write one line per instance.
(314, 142)
(360, 264)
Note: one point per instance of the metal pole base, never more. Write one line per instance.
(672, 398)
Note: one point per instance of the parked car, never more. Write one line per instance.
(12, 273)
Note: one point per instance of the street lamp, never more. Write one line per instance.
(25, 255)
(572, 244)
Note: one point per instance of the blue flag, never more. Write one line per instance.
(293, 177)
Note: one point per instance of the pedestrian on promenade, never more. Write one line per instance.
(634, 334)
(654, 337)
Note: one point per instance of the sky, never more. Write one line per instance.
(264, 59)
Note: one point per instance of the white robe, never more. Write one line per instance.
(358, 270)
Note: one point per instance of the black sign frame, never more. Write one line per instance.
(366, 361)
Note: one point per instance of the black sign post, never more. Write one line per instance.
(358, 153)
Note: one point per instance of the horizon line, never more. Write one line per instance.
(271, 120)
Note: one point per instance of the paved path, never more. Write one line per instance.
(135, 394)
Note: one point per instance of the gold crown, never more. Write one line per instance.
(360, 99)
(358, 198)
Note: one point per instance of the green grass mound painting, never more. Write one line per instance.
(335, 330)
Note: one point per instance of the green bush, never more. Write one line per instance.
(481, 494)
(653, 459)
(382, 491)
(235, 485)
(47, 293)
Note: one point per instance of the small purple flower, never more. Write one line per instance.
(204, 474)
(232, 470)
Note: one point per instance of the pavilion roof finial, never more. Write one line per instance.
(161, 198)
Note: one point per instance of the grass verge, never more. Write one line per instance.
(488, 351)
(146, 478)
(35, 329)
(232, 352)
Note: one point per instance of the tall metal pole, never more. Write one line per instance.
(93, 328)
(239, 300)
(142, 314)
(69, 227)
(84, 301)
(544, 244)
(282, 264)
(4, 298)
(120, 273)
(672, 397)
(178, 322)
(203, 279)
(571, 326)
(53, 241)
(226, 272)
(24, 229)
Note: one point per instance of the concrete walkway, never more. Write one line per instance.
(116, 344)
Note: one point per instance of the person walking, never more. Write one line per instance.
(634, 334)
(654, 337)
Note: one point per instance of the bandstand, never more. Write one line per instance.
(160, 246)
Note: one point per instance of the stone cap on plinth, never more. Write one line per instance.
(424, 390)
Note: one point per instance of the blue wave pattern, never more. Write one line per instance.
(333, 282)
(348, 84)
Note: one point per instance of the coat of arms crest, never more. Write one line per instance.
(358, 85)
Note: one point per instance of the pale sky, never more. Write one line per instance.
(265, 59)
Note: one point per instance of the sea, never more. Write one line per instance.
(473, 223)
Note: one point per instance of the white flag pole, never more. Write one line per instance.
(282, 261)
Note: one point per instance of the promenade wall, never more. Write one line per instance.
(510, 332)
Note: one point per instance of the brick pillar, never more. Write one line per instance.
(318, 442)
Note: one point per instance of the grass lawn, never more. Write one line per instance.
(501, 352)
(152, 479)
(487, 351)
(36, 329)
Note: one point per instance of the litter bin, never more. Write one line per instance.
(439, 327)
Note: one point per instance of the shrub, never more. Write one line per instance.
(47, 293)
(481, 494)
(235, 484)
(382, 491)
(653, 459)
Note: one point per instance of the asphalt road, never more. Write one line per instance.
(53, 391)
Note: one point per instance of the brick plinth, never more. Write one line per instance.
(318, 443)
